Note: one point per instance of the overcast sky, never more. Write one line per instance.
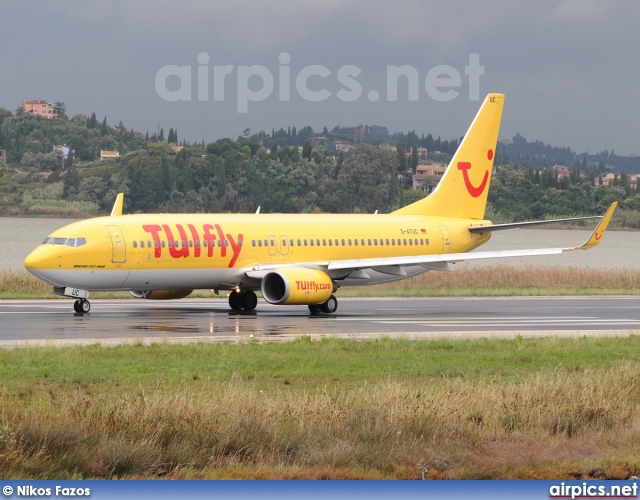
(569, 68)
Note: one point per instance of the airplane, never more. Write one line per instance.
(293, 259)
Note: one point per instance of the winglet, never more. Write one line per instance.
(117, 206)
(598, 232)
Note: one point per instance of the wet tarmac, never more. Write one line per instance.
(188, 320)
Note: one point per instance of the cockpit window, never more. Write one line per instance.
(70, 242)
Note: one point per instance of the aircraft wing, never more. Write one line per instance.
(439, 262)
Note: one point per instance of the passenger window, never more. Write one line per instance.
(387, 241)
(155, 244)
(290, 243)
(197, 243)
(190, 244)
(344, 244)
(311, 242)
(369, 242)
(259, 243)
(355, 242)
(330, 243)
(324, 243)
(226, 243)
(266, 243)
(305, 243)
(410, 242)
(169, 243)
(204, 243)
(176, 242)
(299, 243)
(317, 243)
(135, 244)
(240, 243)
(404, 242)
(362, 242)
(426, 242)
(336, 242)
(375, 242)
(148, 244)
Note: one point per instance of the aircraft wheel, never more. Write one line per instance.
(235, 300)
(81, 306)
(315, 308)
(330, 306)
(249, 300)
(76, 306)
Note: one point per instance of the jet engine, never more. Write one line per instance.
(297, 286)
(160, 294)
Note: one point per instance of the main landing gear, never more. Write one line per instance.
(246, 300)
(81, 306)
(328, 307)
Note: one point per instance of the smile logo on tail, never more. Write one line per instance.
(473, 190)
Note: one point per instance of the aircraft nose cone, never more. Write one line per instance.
(40, 258)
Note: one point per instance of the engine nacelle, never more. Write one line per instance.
(160, 294)
(297, 286)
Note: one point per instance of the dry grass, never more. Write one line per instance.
(489, 280)
(21, 283)
(563, 424)
(513, 280)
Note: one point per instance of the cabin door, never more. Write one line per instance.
(118, 247)
(446, 239)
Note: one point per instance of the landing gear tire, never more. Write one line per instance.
(248, 300)
(330, 306)
(315, 308)
(81, 306)
(235, 300)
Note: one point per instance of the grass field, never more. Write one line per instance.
(475, 409)
(496, 280)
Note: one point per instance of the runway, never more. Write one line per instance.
(27, 322)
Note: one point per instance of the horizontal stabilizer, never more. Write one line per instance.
(515, 225)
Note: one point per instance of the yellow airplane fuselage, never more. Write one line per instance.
(174, 251)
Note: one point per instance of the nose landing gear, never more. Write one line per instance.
(81, 306)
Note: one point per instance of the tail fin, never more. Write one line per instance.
(462, 191)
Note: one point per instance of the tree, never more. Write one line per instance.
(171, 138)
(306, 150)
(93, 121)
(60, 108)
(71, 182)
(104, 128)
(414, 159)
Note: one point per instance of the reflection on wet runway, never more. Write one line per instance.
(212, 320)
